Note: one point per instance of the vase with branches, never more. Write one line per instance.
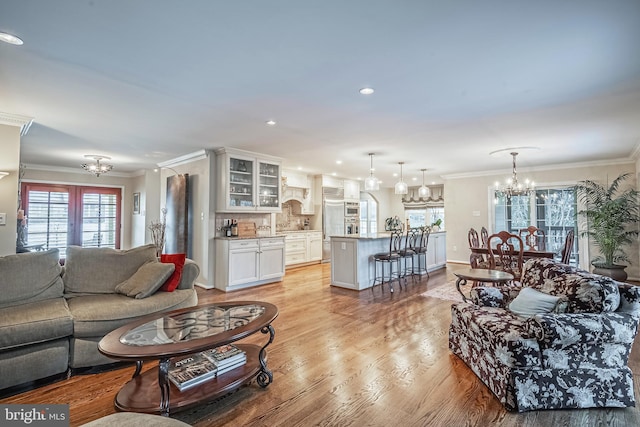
(157, 229)
(612, 215)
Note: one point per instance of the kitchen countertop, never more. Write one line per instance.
(373, 236)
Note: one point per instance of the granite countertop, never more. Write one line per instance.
(246, 237)
(285, 232)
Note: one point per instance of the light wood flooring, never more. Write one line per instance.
(346, 358)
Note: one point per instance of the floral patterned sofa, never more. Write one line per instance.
(572, 354)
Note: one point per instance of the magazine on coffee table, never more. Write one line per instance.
(225, 355)
(186, 372)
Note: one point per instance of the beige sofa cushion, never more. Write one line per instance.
(146, 280)
(30, 277)
(100, 270)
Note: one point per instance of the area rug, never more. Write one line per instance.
(447, 292)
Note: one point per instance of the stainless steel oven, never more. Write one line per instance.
(352, 210)
(351, 225)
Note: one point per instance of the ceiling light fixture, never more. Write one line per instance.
(401, 187)
(366, 91)
(371, 183)
(271, 122)
(512, 186)
(97, 168)
(424, 192)
(11, 39)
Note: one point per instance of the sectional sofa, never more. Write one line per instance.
(52, 317)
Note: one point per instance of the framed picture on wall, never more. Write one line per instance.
(136, 203)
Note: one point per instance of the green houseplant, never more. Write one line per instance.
(612, 222)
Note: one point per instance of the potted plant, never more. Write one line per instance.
(612, 223)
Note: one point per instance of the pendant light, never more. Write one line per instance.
(401, 186)
(424, 192)
(371, 183)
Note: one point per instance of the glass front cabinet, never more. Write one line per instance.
(248, 182)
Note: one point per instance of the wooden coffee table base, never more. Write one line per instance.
(143, 392)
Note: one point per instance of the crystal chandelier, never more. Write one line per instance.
(424, 192)
(512, 186)
(97, 168)
(371, 183)
(401, 187)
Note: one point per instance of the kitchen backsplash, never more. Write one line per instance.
(289, 221)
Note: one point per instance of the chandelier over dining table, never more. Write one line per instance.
(512, 187)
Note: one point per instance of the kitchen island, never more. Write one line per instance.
(352, 264)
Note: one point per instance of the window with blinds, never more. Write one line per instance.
(63, 215)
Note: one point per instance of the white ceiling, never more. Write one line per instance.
(146, 81)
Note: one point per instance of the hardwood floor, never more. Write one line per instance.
(346, 358)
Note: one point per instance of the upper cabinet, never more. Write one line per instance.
(351, 191)
(247, 182)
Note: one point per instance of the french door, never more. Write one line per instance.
(63, 215)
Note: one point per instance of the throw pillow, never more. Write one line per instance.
(530, 302)
(146, 281)
(178, 261)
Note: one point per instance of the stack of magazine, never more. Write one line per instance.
(189, 371)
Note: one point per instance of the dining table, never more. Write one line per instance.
(526, 254)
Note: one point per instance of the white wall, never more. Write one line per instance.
(9, 162)
(464, 196)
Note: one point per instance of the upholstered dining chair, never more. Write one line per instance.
(568, 247)
(534, 238)
(391, 259)
(506, 253)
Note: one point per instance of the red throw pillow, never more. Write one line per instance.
(172, 282)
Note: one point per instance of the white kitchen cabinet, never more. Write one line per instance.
(351, 191)
(303, 247)
(242, 263)
(247, 182)
(437, 251)
(315, 245)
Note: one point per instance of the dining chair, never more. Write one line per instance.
(533, 237)
(506, 253)
(389, 258)
(568, 247)
(475, 260)
(484, 236)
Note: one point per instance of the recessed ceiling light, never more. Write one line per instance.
(299, 168)
(11, 39)
(338, 162)
(414, 179)
(334, 174)
(366, 90)
(271, 122)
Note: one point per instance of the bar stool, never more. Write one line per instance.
(421, 250)
(390, 258)
(408, 252)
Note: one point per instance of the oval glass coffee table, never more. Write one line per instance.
(480, 275)
(162, 336)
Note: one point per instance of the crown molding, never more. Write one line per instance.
(595, 163)
(187, 158)
(23, 122)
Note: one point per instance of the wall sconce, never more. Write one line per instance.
(3, 174)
